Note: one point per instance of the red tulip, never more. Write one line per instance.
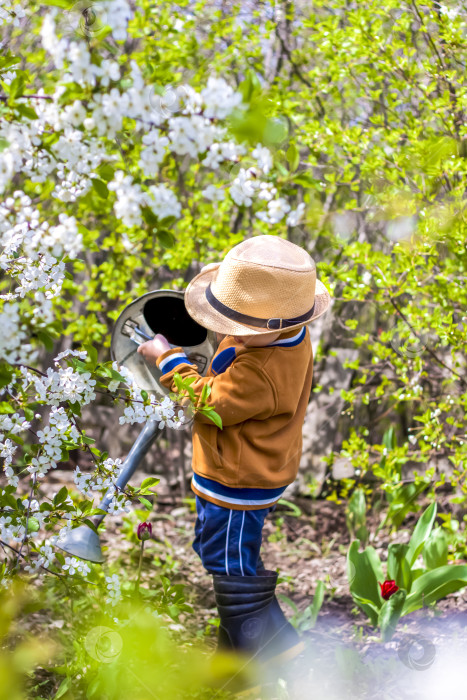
(144, 531)
(388, 588)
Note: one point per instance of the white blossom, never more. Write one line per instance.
(264, 158)
(295, 216)
(213, 193)
(114, 589)
(243, 187)
(276, 211)
(73, 565)
(219, 98)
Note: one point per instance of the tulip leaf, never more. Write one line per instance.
(435, 551)
(398, 566)
(390, 613)
(434, 585)
(318, 599)
(364, 570)
(421, 533)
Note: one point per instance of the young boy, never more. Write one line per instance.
(258, 300)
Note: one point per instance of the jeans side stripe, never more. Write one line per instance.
(227, 545)
(240, 544)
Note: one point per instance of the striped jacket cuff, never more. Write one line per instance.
(171, 359)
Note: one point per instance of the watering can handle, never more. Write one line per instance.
(144, 335)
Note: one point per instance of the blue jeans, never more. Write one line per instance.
(228, 541)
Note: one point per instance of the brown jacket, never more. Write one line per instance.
(261, 395)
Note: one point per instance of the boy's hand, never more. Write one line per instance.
(154, 348)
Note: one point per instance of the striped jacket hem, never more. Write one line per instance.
(235, 498)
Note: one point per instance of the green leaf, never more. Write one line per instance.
(398, 566)
(148, 482)
(92, 354)
(435, 550)
(288, 601)
(318, 600)
(46, 340)
(6, 407)
(145, 502)
(305, 179)
(356, 515)
(33, 524)
(434, 585)
(75, 407)
(390, 614)
(16, 88)
(421, 533)
(6, 375)
(61, 496)
(364, 570)
(389, 439)
(28, 413)
(280, 168)
(293, 157)
(149, 217)
(100, 188)
(91, 525)
(215, 417)
(65, 684)
(106, 172)
(3, 144)
(250, 85)
(204, 393)
(166, 238)
(403, 501)
(17, 439)
(26, 111)
(296, 511)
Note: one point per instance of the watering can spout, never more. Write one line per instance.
(84, 543)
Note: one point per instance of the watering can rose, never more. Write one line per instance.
(144, 531)
(388, 588)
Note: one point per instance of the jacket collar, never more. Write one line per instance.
(227, 355)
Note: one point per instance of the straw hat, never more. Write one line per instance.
(264, 285)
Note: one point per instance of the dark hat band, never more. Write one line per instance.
(272, 324)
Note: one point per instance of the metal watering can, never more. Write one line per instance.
(162, 311)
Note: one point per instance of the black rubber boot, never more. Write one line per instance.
(251, 620)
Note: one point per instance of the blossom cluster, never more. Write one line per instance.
(11, 13)
(12, 425)
(44, 560)
(114, 589)
(75, 566)
(99, 480)
(66, 384)
(140, 411)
